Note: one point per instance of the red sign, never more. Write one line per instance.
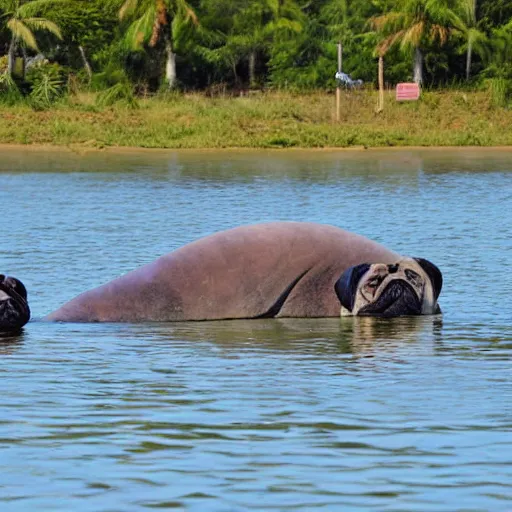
(407, 92)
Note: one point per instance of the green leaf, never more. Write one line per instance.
(20, 31)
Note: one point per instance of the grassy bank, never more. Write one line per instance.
(263, 121)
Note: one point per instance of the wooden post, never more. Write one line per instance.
(338, 89)
(380, 107)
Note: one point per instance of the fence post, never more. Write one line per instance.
(380, 107)
(338, 88)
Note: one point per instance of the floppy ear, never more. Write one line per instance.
(346, 285)
(433, 273)
(18, 287)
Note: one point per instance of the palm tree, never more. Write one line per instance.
(248, 36)
(468, 26)
(157, 20)
(414, 24)
(20, 18)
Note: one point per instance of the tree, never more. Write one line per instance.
(414, 24)
(20, 18)
(494, 13)
(155, 20)
(259, 24)
(305, 60)
(248, 36)
(468, 26)
(498, 54)
(88, 28)
(347, 22)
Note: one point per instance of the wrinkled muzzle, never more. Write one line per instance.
(14, 310)
(397, 299)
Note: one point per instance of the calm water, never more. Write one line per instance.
(411, 414)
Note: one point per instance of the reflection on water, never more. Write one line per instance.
(355, 336)
(284, 414)
(10, 342)
(246, 164)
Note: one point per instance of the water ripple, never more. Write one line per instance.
(330, 414)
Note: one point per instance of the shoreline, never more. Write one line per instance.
(79, 149)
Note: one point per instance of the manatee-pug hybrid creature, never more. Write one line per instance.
(277, 269)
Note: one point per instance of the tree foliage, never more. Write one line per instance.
(262, 43)
(23, 20)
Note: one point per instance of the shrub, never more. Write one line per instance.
(119, 93)
(112, 75)
(499, 91)
(9, 91)
(47, 84)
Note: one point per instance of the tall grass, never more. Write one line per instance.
(9, 91)
(268, 120)
(499, 89)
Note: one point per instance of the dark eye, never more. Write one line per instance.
(412, 276)
(374, 282)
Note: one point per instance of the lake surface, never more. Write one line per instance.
(325, 414)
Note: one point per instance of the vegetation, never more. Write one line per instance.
(21, 21)
(266, 120)
(139, 58)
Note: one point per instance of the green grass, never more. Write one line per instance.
(267, 120)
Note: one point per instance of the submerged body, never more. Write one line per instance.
(278, 269)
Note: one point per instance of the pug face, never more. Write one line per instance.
(14, 310)
(411, 286)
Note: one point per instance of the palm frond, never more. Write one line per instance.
(476, 36)
(477, 40)
(37, 7)
(439, 32)
(159, 21)
(8, 6)
(412, 36)
(388, 42)
(387, 22)
(43, 24)
(459, 24)
(20, 31)
(140, 30)
(128, 8)
(468, 11)
(185, 12)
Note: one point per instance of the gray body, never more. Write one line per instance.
(278, 269)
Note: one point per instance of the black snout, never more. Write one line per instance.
(14, 310)
(398, 299)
